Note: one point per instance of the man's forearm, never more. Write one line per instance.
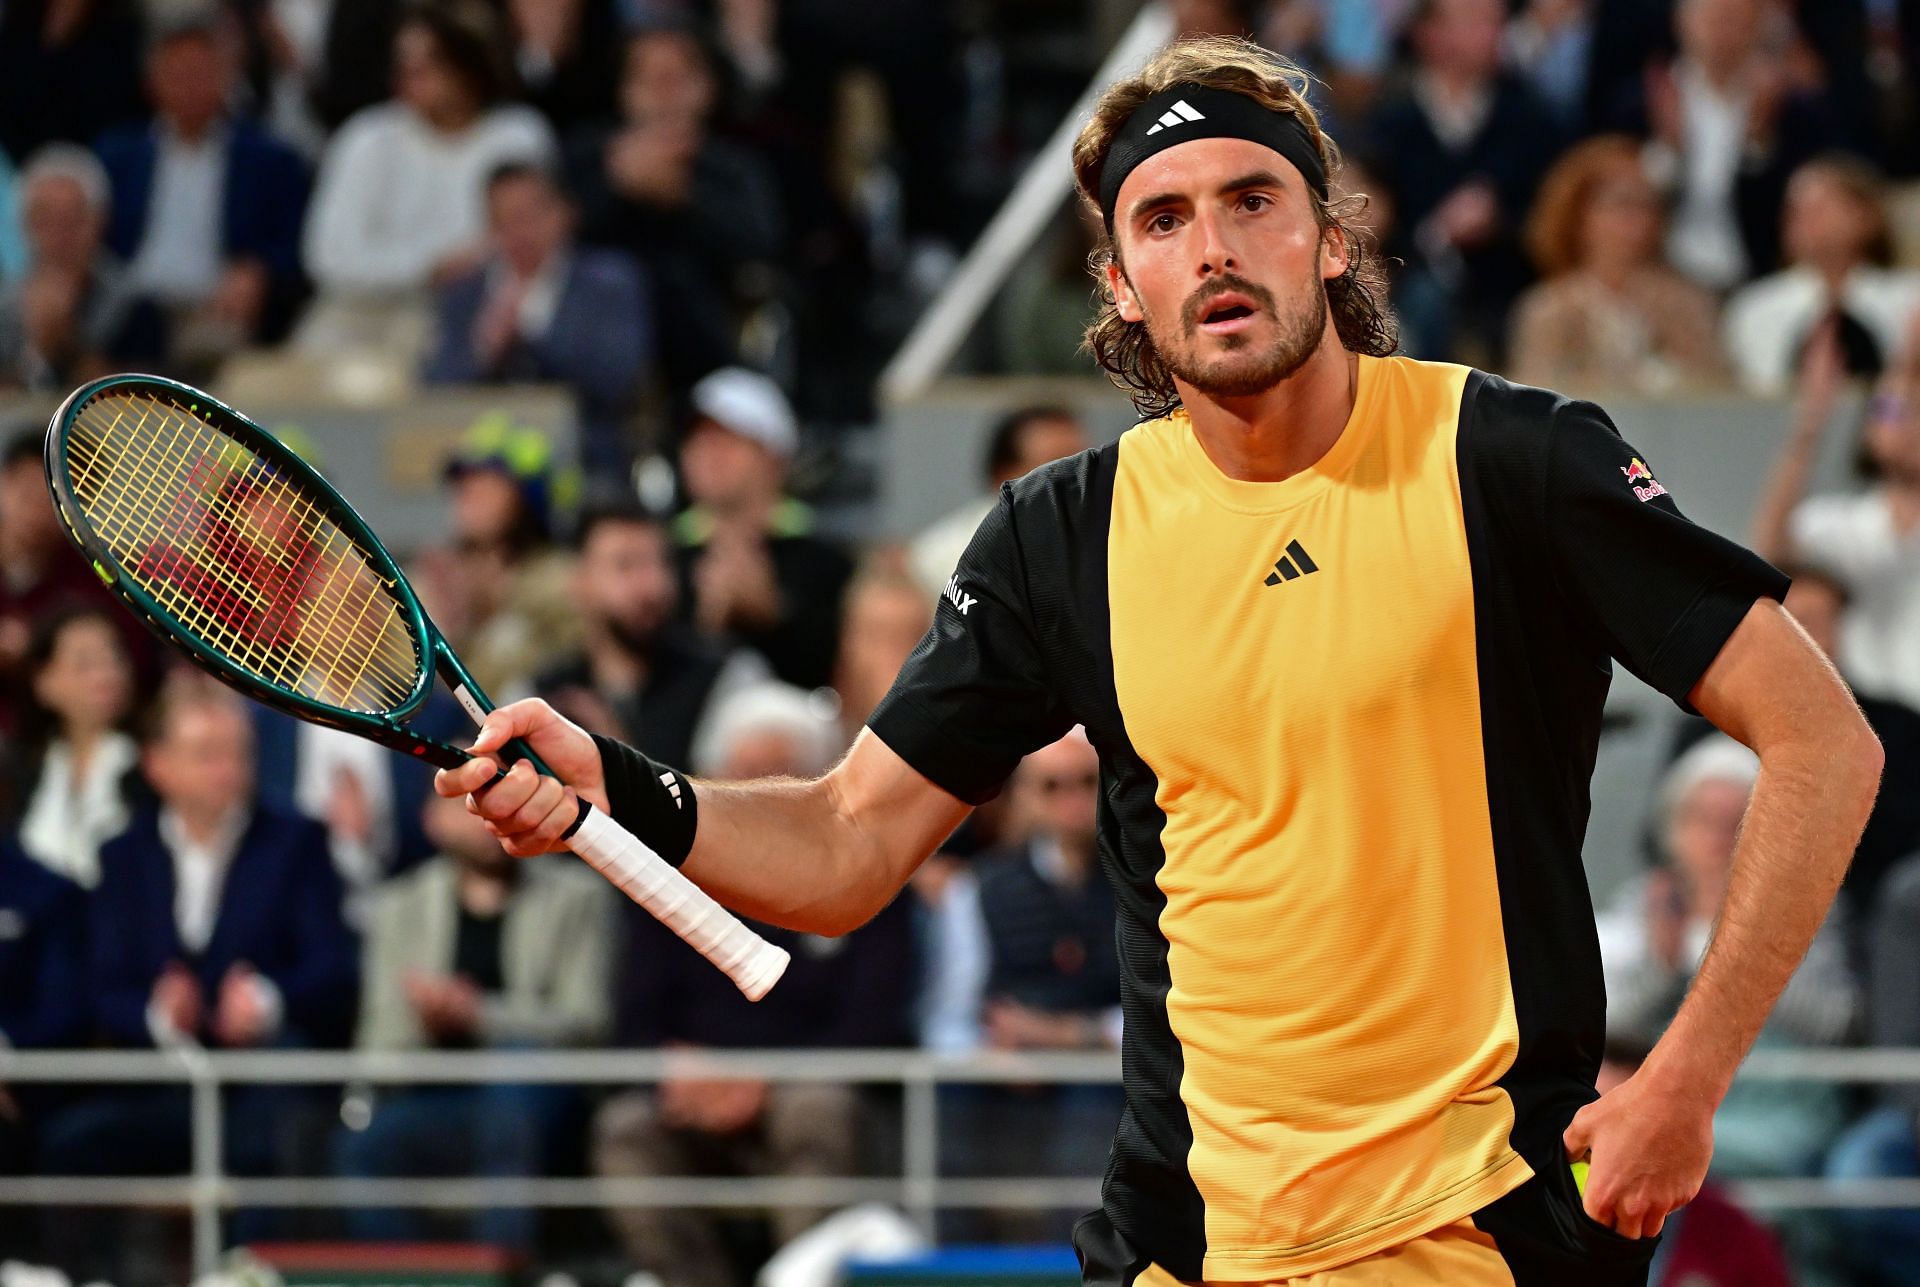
(1809, 806)
(789, 853)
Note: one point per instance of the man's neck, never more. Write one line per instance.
(1274, 434)
(207, 830)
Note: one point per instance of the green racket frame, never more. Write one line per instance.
(388, 728)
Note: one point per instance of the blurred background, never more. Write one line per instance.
(679, 345)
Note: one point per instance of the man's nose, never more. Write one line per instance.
(1216, 254)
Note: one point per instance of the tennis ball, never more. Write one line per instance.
(1580, 1176)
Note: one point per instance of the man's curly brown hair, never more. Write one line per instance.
(1357, 298)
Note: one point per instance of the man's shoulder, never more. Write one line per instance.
(1064, 487)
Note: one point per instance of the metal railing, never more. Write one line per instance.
(206, 1191)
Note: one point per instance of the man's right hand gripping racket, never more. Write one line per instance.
(240, 555)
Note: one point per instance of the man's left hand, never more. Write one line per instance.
(1648, 1143)
(242, 1017)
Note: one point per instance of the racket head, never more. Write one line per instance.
(236, 551)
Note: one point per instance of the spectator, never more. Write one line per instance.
(1869, 540)
(1467, 144)
(40, 574)
(1021, 442)
(1551, 43)
(76, 314)
(74, 769)
(1349, 43)
(43, 1003)
(702, 214)
(641, 674)
(215, 923)
(1610, 314)
(538, 309)
(568, 55)
(751, 566)
(517, 613)
(886, 614)
(43, 995)
(1838, 247)
(206, 205)
(837, 993)
(474, 950)
(68, 70)
(1653, 937)
(401, 198)
(1053, 979)
(1728, 122)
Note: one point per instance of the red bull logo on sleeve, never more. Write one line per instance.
(1644, 484)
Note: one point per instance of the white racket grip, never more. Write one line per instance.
(753, 964)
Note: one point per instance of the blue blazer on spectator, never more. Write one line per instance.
(280, 912)
(43, 992)
(600, 342)
(264, 199)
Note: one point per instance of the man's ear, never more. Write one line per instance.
(1123, 297)
(1334, 253)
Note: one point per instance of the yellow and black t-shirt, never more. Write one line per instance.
(1347, 723)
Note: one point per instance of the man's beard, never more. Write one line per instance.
(1242, 371)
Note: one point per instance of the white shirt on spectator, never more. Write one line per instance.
(200, 873)
(67, 820)
(1703, 238)
(395, 196)
(1768, 321)
(178, 261)
(321, 755)
(1853, 538)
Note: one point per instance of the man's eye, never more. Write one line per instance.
(1256, 201)
(1161, 223)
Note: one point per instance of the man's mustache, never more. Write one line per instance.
(1202, 300)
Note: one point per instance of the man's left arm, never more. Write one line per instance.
(1650, 1139)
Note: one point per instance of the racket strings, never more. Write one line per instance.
(240, 555)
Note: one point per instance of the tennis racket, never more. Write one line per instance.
(240, 555)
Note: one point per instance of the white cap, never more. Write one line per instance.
(749, 404)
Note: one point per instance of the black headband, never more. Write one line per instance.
(1187, 112)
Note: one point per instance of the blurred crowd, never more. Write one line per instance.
(710, 221)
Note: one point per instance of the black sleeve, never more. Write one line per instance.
(1665, 592)
(975, 696)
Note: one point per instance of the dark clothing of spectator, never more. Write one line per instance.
(73, 89)
(279, 912)
(264, 187)
(113, 324)
(357, 63)
(1051, 944)
(837, 993)
(695, 253)
(597, 338)
(1509, 151)
(43, 994)
(579, 86)
(812, 575)
(682, 672)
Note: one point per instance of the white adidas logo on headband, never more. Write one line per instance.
(1178, 114)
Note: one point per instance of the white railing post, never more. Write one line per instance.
(921, 1113)
(209, 1159)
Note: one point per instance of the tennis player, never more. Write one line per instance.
(1340, 626)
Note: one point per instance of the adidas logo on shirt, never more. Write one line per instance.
(1178, 114)
(1292, 566)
